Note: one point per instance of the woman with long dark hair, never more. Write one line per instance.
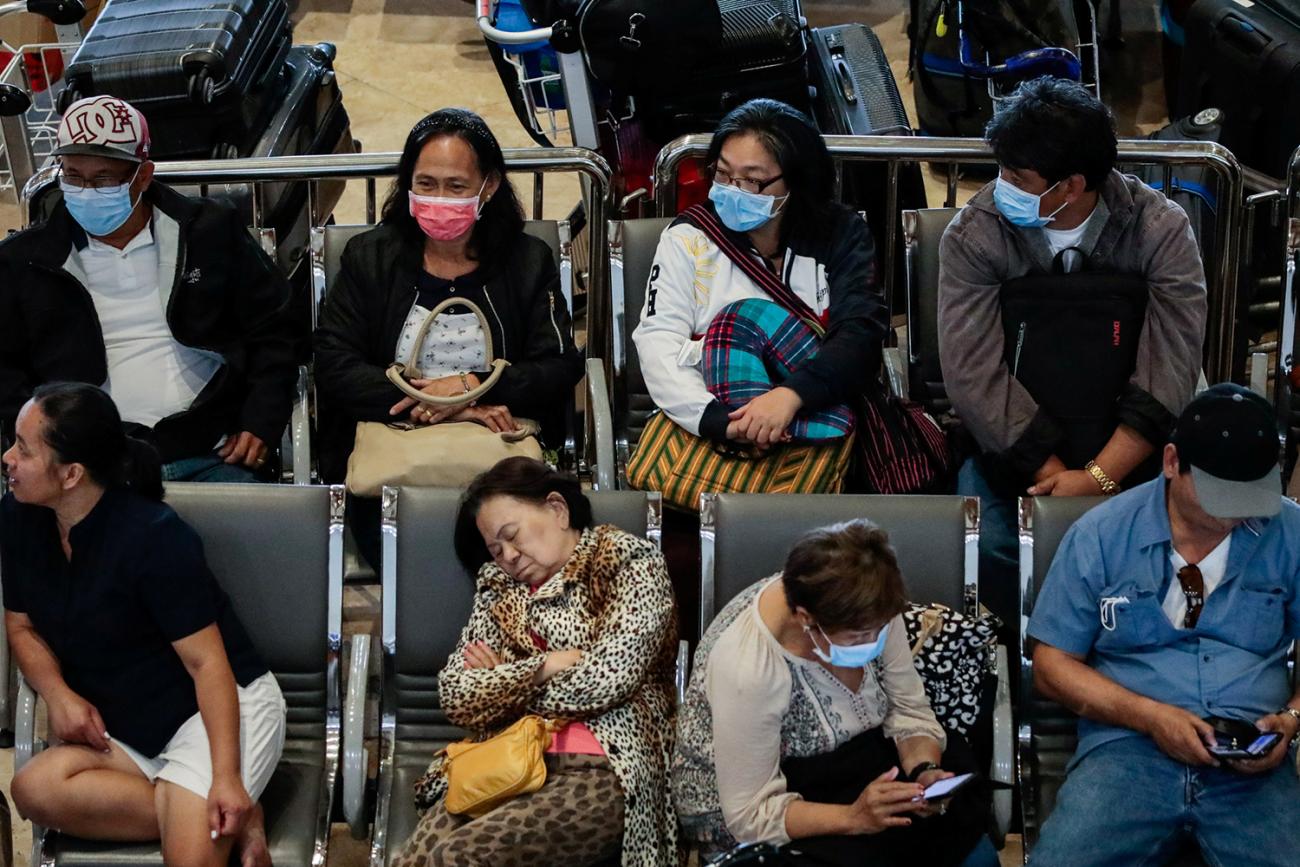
(452, 227)
(722, 357)
(169, 724)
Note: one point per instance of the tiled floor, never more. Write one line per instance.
(399, 59)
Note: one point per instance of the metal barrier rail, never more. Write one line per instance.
(369, 167)
(895, 150)
(317, 169)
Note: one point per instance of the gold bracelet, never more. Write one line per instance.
(1108, 485)
(464, 380)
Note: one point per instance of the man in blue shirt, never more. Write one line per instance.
(1171, 605)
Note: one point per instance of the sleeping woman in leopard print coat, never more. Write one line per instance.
(573, 622)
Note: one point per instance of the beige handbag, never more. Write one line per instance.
(446, 455)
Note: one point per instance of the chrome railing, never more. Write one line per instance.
(211, 176)
(895, 151)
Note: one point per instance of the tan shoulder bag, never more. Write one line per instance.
(445, 455)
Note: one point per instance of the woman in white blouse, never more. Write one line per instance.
(806, 721)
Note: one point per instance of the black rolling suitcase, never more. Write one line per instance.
(857, 94)
(199, 70)
(1248, 63)
(763, 52)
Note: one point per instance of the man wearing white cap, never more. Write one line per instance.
(1165, 622)
(164, 300)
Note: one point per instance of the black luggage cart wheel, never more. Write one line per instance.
(58, 11)
(13, 100)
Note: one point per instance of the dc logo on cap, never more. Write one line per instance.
(101, 121)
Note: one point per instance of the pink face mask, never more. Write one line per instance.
(443, 218)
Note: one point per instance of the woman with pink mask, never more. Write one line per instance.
(452, 227)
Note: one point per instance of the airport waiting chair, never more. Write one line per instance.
(277, 550)
(1047, 732)
(746, 537)
(427, 598)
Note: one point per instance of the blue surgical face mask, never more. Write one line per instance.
(742, 211)
(1022, 208)
(852, 655)
(100, 212)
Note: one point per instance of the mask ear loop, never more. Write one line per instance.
(134, 175)
(1052, 216)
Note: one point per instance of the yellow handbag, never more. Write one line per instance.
(483, 775)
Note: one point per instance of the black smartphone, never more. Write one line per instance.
(946, 788)
(1229, 747)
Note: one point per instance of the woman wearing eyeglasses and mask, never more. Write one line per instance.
(704, 315)
(806, 721)
(452, 227)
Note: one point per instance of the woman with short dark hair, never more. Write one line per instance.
(452, 228)
(169, 724)
(805, 720)
(720, 356)
(571, 622)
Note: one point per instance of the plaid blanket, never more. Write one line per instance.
(750, 348)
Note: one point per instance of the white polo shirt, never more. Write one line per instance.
(150, 374)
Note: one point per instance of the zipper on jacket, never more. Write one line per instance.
(493, 307)
(550, 295)
(1020, 344)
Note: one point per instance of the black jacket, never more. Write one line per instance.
(228, 297)
(368, 304)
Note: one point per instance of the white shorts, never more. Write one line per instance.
(187, 758)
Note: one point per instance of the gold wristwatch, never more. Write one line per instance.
(1295, 715)
(1108, 485)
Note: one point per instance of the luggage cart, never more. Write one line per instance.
(31, 78)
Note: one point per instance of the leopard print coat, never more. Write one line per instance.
(613, 601)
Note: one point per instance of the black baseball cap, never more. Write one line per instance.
(1228, 435)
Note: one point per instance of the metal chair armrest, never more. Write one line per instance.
(1003, 769)
(25, 745)
(355, 755)
(602, 427)
(300, 430)
(896, 370)
(683, 670)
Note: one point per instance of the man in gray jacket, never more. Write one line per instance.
(1058, 202)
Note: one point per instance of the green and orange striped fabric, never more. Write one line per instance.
(682, 466)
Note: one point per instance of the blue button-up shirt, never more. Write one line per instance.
(1101, 600)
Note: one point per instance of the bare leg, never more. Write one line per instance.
(86, 793)
(186, 838)
(251, 844)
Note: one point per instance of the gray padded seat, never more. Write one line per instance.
(1048, 731)
(335, 239)
(1051, 727)
(268, 547)
(431, 597)
(923, 230)
(640, 239)
(749, 536)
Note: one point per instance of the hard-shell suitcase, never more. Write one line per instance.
(1247, 63)
(199, 70)
(857, 94)
(763, 53)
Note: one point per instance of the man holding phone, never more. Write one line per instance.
(1167, 614)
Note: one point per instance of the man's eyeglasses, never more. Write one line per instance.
(100, 183)
(749, 185)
